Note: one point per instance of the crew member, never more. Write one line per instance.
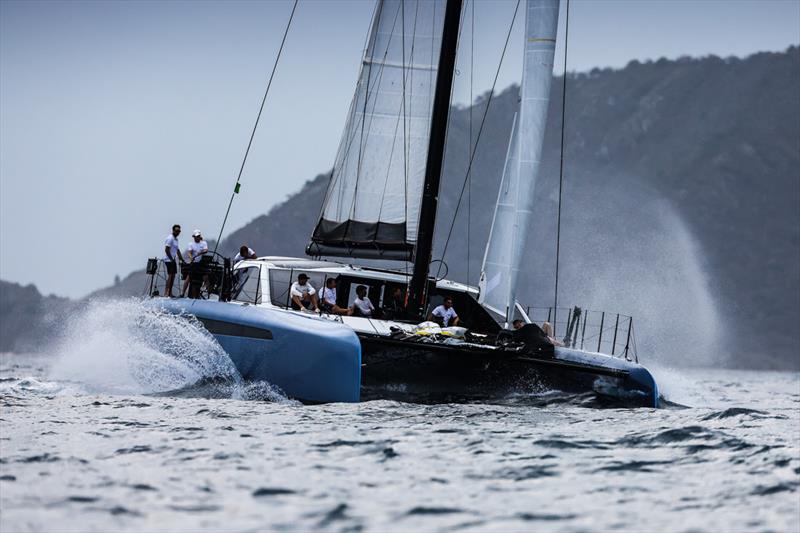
(329, 299)
(547, 329)
(517, 324)
(171, 252)
(445, 315)
(395, 306)
(245, 252)
(362, 306)
(303, 294)
(197, 250)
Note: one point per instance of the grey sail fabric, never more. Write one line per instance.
(372, 204)
(512, 217)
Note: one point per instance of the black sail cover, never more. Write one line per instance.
(371, 208)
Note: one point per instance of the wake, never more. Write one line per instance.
(123, 347)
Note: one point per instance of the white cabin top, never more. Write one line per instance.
(309, 266)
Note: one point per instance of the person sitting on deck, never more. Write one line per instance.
(445, 315)
(329, 299)
(303, 294)
(547, 328)
(245, 252)
(518, 323)
(362, 306)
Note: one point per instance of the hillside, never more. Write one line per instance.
(681, 205)
(27, 318)
(710, 147)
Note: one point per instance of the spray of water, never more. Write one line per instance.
(626, 250)
(124, 347)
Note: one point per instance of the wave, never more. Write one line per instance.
(125, 347)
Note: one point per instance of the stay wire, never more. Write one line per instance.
(561, 165)
(478, 138)
(469, 176)
(255, 126)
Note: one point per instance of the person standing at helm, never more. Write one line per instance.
(197, 250)
(171, 252)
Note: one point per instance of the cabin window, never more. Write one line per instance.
(471, 313)
(374, 291)
(247, 285)
(280, 283)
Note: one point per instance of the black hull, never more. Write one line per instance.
(399, 369)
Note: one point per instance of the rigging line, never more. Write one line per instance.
(403, 107)
(561, 164)
(469, 174)
(255, 126)
(478, 136)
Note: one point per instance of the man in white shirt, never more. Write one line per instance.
(197, 250)
(362, 306)
(245, 252)
(171, 252)
(303, 294)
(329, 299)
(444, 314)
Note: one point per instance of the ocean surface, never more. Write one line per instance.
(110, 430)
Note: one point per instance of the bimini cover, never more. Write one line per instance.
(371, 208)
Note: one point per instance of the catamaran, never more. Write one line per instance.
(381, 203)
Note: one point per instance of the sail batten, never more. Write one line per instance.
(514, 209)
(373, 200)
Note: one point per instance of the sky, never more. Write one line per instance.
(118, 119)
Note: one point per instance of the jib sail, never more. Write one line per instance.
(514, 209)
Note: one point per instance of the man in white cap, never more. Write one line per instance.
(303, 294)
(197, 250)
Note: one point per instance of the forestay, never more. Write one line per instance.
(514, 209)
(372, 204)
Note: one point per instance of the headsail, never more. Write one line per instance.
(371, 208)
(512, 217)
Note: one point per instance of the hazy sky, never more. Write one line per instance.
(118, 119)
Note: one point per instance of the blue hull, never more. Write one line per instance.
(316, 360)
(309, 358)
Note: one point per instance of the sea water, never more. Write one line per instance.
(142, 424)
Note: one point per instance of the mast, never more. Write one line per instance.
(433, 168)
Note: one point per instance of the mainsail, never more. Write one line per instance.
(512, 217)
(372, 205)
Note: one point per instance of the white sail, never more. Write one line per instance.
(372, 205)
(514, 209)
